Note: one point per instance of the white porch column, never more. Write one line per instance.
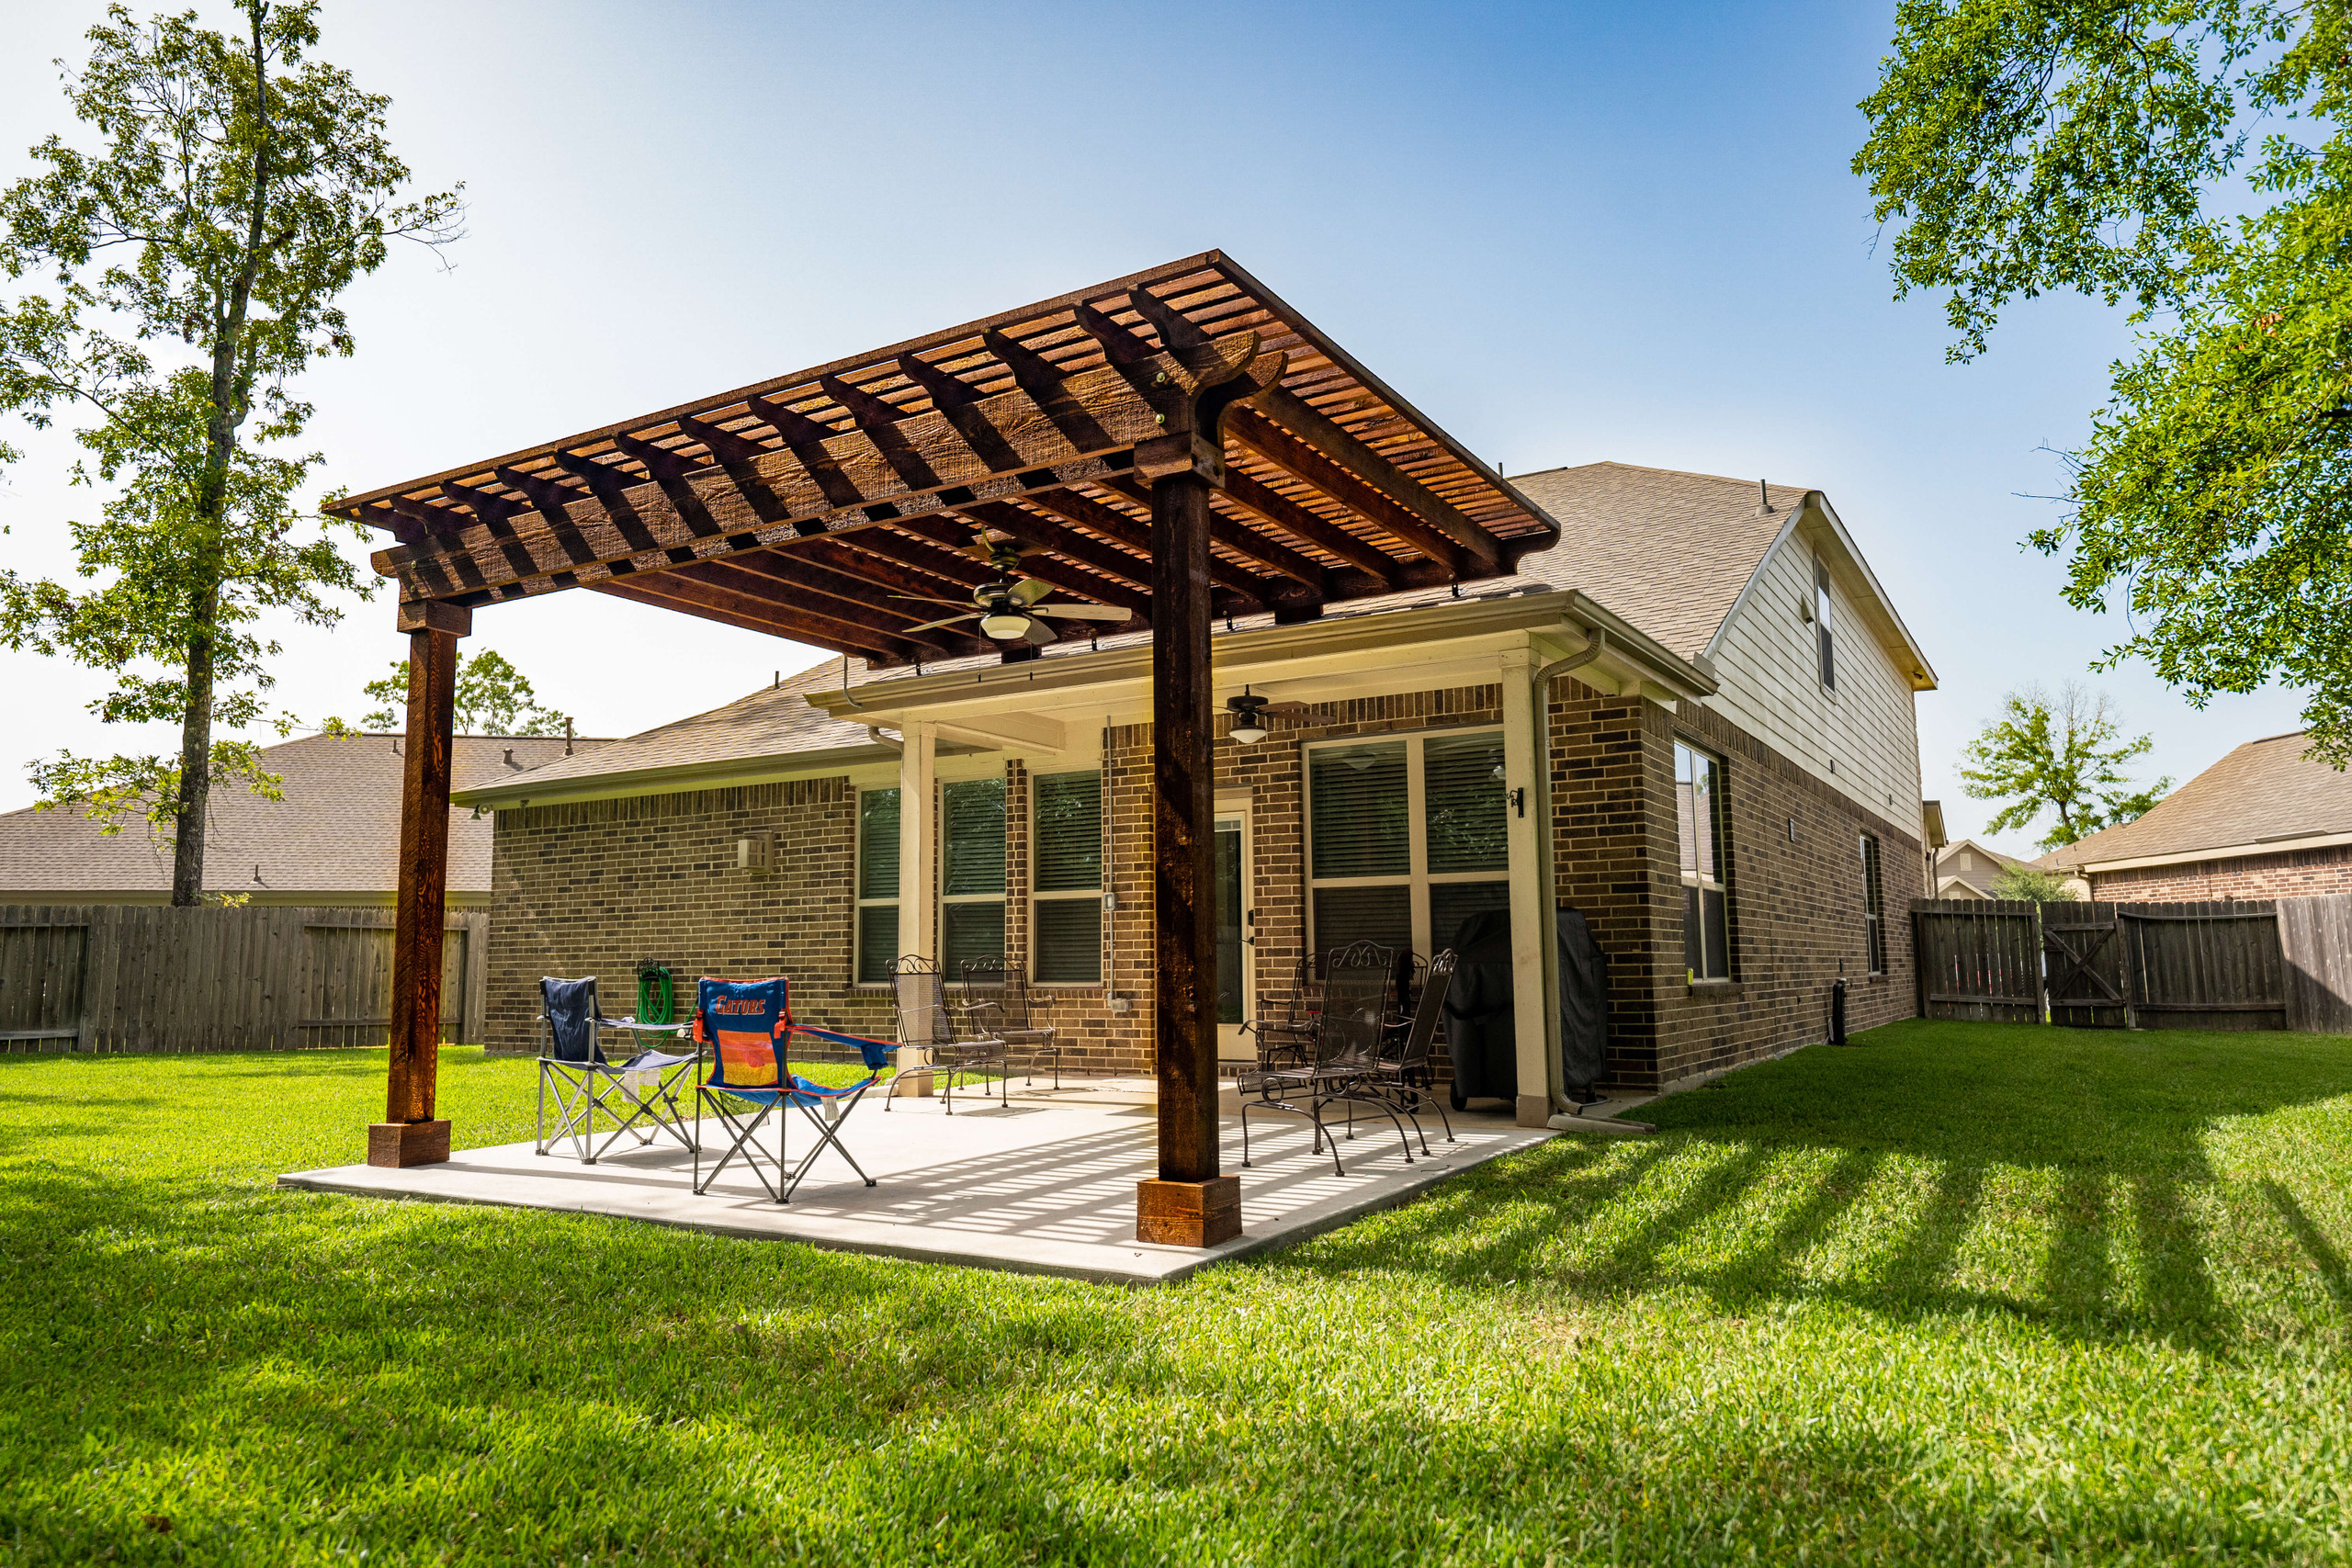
(1531, 901)
(918, 841)
(918, 892)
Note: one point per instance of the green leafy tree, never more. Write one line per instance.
(2019, 147)
(2028, 883)
(493, 698)
(192, 261)
(2066, 756)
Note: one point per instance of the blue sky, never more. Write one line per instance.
(1566, 232)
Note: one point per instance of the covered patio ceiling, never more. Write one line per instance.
(836, 506)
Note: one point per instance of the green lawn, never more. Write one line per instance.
(1964, 1294)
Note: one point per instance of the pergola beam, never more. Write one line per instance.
(640, 524)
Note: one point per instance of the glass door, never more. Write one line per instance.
(1235, 942)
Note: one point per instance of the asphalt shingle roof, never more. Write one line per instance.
(2263, 791)
(337, 830)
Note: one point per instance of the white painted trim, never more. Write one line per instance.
(2224, 852)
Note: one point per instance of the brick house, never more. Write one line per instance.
(1691, 719)
(2264, 822)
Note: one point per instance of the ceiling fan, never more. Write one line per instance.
(1007, 608)
(1250, 712)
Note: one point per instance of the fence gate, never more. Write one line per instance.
(2084, 954)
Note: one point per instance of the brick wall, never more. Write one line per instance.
(2294, 874)
(592, 888)
(1795, 901)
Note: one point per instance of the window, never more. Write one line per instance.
(1873, 915)
(971, 873)
(1699, 822)
(878, 884)
(1821, 619)
(1407, 838)
(1066, 832)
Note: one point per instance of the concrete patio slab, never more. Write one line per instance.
(1045, 1189)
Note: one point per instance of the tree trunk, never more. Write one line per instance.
(196, 754)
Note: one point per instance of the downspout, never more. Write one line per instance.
(1596, 643)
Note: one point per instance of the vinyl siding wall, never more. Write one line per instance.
(1767, 662)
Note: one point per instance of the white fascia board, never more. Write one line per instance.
(2222, 851)
(1388, 652)
(833, 762)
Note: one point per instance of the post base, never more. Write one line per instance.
(1534, 1110)
(399, 1145)
(1189, 1213)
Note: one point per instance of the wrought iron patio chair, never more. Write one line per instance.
(1346, 1053)
(1283, 1034)
(1402, 1076)
(748, 1026)
(998, 1001)
(952, 1048)
(639, 1094)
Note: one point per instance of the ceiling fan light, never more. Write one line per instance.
(1003, 626)
(1248, 731)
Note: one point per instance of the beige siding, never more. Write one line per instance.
(1771, 679)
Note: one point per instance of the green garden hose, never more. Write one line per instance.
(657, 996)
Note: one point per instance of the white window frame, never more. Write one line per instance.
(1038, 897)
(1417, 878)
(859, 902)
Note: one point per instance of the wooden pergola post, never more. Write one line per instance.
(1190, 1203)
(410, 1135)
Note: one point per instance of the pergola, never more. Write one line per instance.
(1177, 445)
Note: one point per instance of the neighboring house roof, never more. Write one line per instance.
(2262, 796)
(1950, 854)
(337, 831)
(1669, 552)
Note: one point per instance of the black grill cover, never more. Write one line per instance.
(1584, 1007)
(1480, 1033)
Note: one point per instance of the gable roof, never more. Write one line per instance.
(1996, 856)
(2264, 792)
(1669, 551)
(337, 831)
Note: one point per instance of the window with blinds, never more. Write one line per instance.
(878, 884)
(971, 873)
(1065, 893)
(1408, 838)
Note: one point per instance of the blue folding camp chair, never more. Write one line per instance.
(748, 1024)
(639, 1094)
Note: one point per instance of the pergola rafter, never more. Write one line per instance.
(1177, 444)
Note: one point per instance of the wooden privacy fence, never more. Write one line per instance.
(2263, 963)
(149, 977)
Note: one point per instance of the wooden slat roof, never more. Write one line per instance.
(806, 504)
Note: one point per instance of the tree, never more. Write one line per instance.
(2066, 756)
(2028, 883)
(493, 698)
(2024, 146)
(196, 259)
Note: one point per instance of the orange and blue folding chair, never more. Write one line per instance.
(748, 1026)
